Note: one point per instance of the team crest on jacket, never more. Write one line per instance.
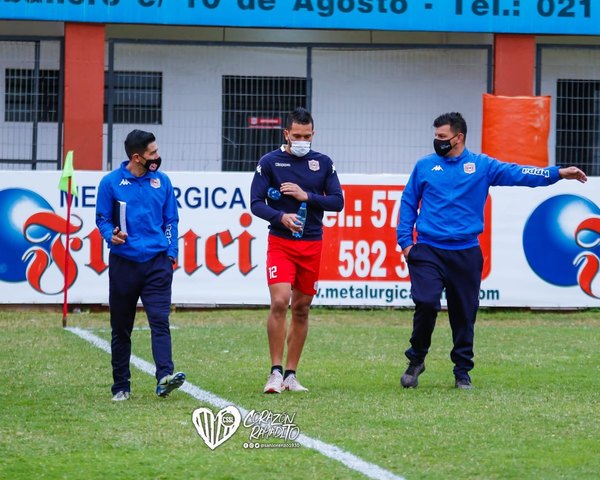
(469, 167)
(313, 165)
(155, 182)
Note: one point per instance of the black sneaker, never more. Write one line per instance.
(463, 383)
(410, 379)
(169, 383)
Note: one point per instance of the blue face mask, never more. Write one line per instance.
(443, 147)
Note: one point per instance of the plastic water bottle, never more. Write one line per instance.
(302, 217)
(273, 193)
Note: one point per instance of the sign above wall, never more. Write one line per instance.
(569, 17)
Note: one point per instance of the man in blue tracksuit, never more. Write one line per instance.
(444, 199)
(142, 237)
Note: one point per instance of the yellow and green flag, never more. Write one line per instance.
(67, 173)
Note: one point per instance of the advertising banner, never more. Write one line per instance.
(541, 246)
(556, 17)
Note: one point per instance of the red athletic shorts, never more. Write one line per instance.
(294, 261)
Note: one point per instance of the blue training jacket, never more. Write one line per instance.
(152, 216)
(314, 173)
(445, 197)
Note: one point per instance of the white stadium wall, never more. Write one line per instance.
(190, 134)
(366, 103)
(373, 107)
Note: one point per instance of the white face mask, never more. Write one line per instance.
(299, 149)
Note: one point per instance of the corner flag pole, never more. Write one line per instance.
(67, 184)
(68, 244)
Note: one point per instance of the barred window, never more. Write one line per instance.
(578, 124)
(28, 98)
(137, 97)
(254, 111)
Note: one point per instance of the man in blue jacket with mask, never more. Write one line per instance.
(136, 214)
(444, 199)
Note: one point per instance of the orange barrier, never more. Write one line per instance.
(515, 129)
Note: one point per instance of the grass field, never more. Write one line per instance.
(534, 414)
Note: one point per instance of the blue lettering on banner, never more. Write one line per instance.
(574, 17)
(191, 197)
(218, 197)
(86, 197)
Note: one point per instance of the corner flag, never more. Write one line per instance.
(66, 179)
(67, 184)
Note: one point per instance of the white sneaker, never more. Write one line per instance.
(292, 384)
(121, 396)
(274, 383)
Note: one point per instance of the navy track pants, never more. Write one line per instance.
(151, 282)
(431, 270)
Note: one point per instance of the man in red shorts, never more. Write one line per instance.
(284, 179)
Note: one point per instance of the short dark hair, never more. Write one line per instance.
(455, 120)
(301, 116)
(137, 141)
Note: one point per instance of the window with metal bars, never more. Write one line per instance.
(578, 124)
(137, 97)
(254, 113)
(30, 97)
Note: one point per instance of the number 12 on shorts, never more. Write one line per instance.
(272, 272)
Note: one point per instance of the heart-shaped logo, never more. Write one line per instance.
(215, 430)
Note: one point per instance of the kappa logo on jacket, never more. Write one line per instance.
(437, 168)
(124, 182)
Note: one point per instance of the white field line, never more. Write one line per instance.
(135, 329)
(351, 461)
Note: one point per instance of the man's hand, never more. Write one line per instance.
(406, 250)
(290, 221)
(572, 173)
(118, 237)
(294, 190)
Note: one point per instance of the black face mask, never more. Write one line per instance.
(151, 165)
(443, 147)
